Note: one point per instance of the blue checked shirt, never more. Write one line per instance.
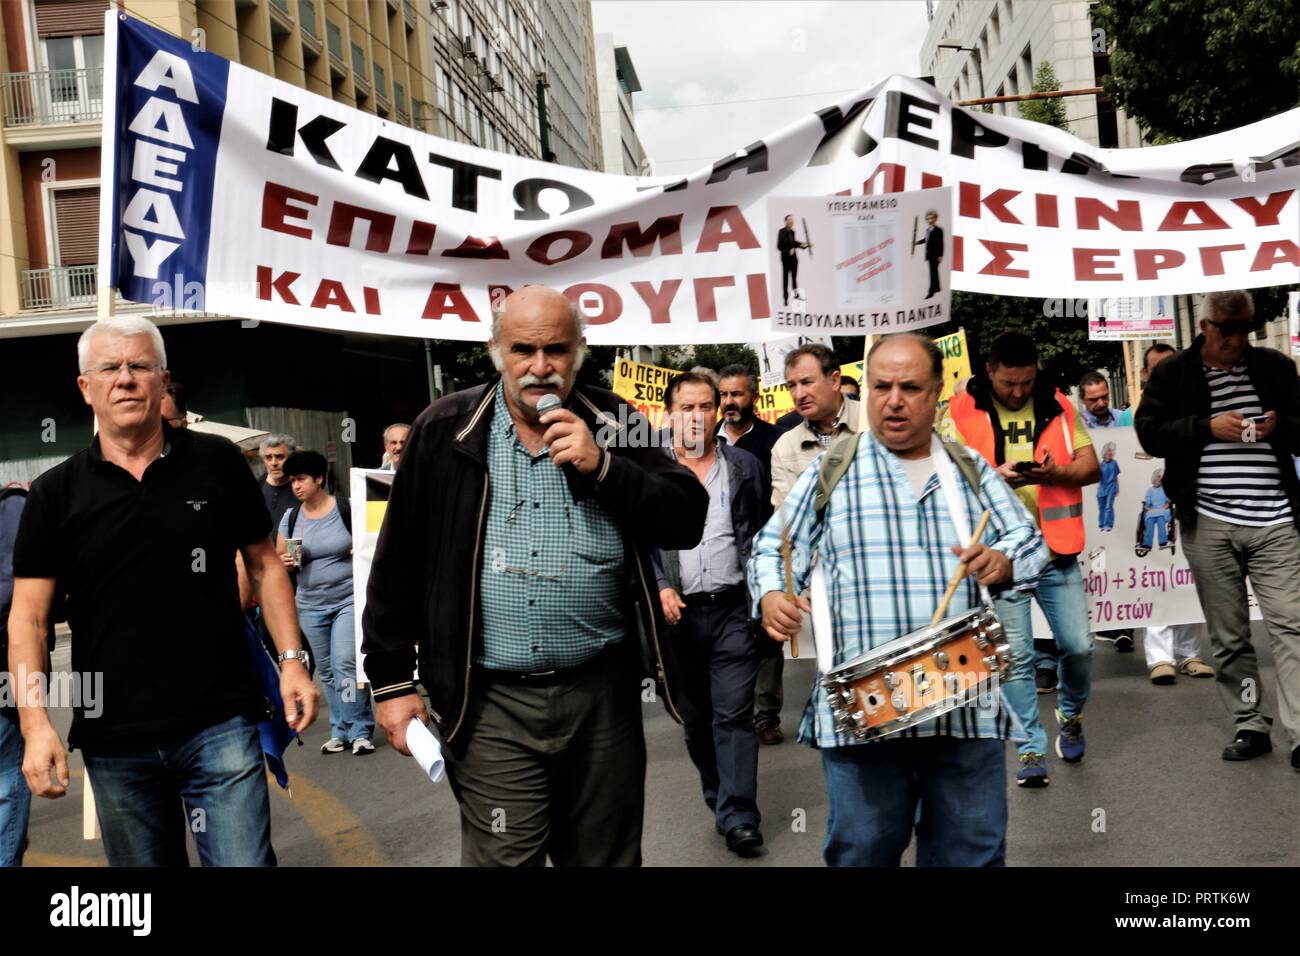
(552, 591)
(887, 559)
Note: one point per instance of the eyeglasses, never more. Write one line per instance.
(1233, 327)
(134, 369)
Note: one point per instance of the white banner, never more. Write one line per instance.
(1134, 568)
(242, 195)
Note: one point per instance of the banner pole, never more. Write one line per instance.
(105, 308)
(1130, 375)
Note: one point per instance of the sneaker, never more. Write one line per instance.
(1124, 643)
(333, 746)
(362, 746)
(1069, 742)
(1163, 673)
(1045, 680)
(1033, 771)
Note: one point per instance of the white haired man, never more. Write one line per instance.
(151, 510)
(395, 436)
(515, 556)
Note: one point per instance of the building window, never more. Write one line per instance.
(1026, 69)
(65, 57)
(76, 225)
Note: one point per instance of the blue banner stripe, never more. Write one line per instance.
(173, 149)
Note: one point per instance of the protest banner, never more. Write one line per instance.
(1134, 567)
(956, 363)
(771, 356)
(1130, 319)
(236, 194)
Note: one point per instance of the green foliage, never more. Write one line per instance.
(1051, 111)
(1188, 68)
(1063, 346)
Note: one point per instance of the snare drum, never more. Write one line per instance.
(918, 676)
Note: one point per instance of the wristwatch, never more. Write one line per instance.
(295, 655)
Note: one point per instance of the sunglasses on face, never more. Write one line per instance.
(1233, 327)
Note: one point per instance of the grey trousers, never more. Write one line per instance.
(1222, 556)
(555, 769)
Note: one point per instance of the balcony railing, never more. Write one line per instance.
(60, 288)
(52, 96)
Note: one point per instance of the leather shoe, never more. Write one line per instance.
(744, 840)
(1248, 744)
(770, 735)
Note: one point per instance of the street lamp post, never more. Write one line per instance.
(974, 52)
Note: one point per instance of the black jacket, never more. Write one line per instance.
(933, 243)
(1046, 408)
(423, 586)
(748, 514)
(786, 243)
(1173, 419)
(758, 441)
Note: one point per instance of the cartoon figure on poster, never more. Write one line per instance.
(1156, 527)
(933, 242)
(1107, 488)
(788, 244)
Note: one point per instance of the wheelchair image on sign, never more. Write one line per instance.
(1156, 527)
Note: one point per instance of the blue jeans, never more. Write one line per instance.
(333, 641)
(874, 789)
(1060, 595)
(1106, 510)
(212, 784)
(1153, 523)
(15, 798)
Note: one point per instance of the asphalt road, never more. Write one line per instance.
(1152, 791)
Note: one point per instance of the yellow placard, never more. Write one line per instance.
(642, 386)
(956, 363)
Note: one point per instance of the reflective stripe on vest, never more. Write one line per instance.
(1060, 509)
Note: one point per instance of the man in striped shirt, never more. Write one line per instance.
(888, 544)
(1225, 416)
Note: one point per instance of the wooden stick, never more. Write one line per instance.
(867, 341)
(787, 559)
(959, 573)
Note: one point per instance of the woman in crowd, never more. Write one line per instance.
(319, 527)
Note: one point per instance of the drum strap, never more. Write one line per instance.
(942, 454)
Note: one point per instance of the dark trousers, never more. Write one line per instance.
(789, 277)
(718, 661)
(554, 768)
(934, 277)
(769, 694)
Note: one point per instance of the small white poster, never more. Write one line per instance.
(864, 265)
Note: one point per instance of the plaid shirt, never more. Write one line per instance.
(552, 574)
(887, 559)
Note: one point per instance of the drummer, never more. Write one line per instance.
(888, 545)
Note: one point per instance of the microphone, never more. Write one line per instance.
(547, 403)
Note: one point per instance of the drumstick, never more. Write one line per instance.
(959, 573)
(786, 559)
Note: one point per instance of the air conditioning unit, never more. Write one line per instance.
(541, 78)
(438, 4)
(496, 86)
(467, 48)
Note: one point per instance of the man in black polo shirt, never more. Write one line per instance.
(277, 489)
(140, 532)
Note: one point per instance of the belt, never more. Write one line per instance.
(736, 592)
(542, 678)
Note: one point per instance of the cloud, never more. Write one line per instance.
(772, 62)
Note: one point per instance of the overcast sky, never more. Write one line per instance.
(690, 53)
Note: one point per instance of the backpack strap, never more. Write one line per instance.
(293, 518)
(965, 464)
(835, 465)
(839, 459)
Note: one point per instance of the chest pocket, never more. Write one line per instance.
(594, 538)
